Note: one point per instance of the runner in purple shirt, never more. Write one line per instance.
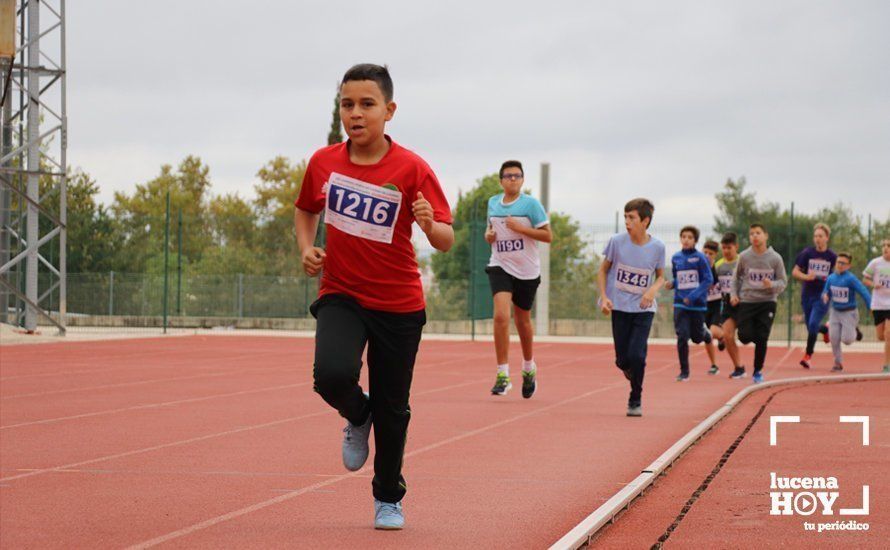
(813, 266)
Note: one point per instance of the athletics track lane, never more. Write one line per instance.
(734, 510)
(216, 441)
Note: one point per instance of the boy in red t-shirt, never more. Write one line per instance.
(371, 190)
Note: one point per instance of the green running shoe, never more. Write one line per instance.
(501, 385)
(529, 384)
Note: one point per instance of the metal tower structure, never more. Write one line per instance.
(33, 164)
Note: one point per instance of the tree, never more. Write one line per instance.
(455, 264)
(93, 234)
(335, 135)
(739, 209)
(142, 214)
(279, 186)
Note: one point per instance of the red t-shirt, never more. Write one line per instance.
(380, 276)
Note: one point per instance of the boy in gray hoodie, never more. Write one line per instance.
(758, 279)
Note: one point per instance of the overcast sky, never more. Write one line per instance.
(658, 99)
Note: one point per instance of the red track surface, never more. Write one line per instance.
(219, 441)
(733, 512)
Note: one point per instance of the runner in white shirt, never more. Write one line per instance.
(877, 278)
(516, 222)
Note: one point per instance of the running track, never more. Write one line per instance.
(211, 441)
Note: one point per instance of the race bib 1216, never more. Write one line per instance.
(362, 209)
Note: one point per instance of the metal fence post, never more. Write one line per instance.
(111, 294)
(788, 288)
(472, 289)
(240, 295)
(166, 257)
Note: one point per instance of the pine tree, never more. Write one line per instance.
(335, 135)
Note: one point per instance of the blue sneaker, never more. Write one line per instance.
(738, 373)
(388, 515)
(757, 378)
(683, 377)
(355, 444)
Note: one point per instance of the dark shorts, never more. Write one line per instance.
(713, 317)
(755, 321)
(728, 311)
(523, 290)
(881, 315)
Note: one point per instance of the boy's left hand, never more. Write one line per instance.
(767, 283)
(825, 298)
(647, 299)
(423, 213)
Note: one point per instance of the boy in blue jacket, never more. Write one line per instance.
(692, 277)
(840, 290)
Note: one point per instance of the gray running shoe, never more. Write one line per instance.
(635, 410)
(388, 515)
(355, 444)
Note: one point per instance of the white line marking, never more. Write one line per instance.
(152, 405)
(773, 420)
(859, 419)
(288, 496)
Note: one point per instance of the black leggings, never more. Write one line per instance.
(342, 331)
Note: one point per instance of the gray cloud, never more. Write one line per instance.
(658, 99)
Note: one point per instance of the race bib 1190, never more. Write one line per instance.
(632, 279)
(509, 245)
(362, 209)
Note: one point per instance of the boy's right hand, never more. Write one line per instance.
(490, 235)
(668, 285)
(606, 306)
(313, 260)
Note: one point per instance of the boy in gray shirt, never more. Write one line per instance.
(758, 279)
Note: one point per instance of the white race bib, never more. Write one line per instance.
(757, 276)
(632, 279)
(882, 281)
(820, 268)
(840, 294)
(362, 209)
(687, 279)
(714, 293)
